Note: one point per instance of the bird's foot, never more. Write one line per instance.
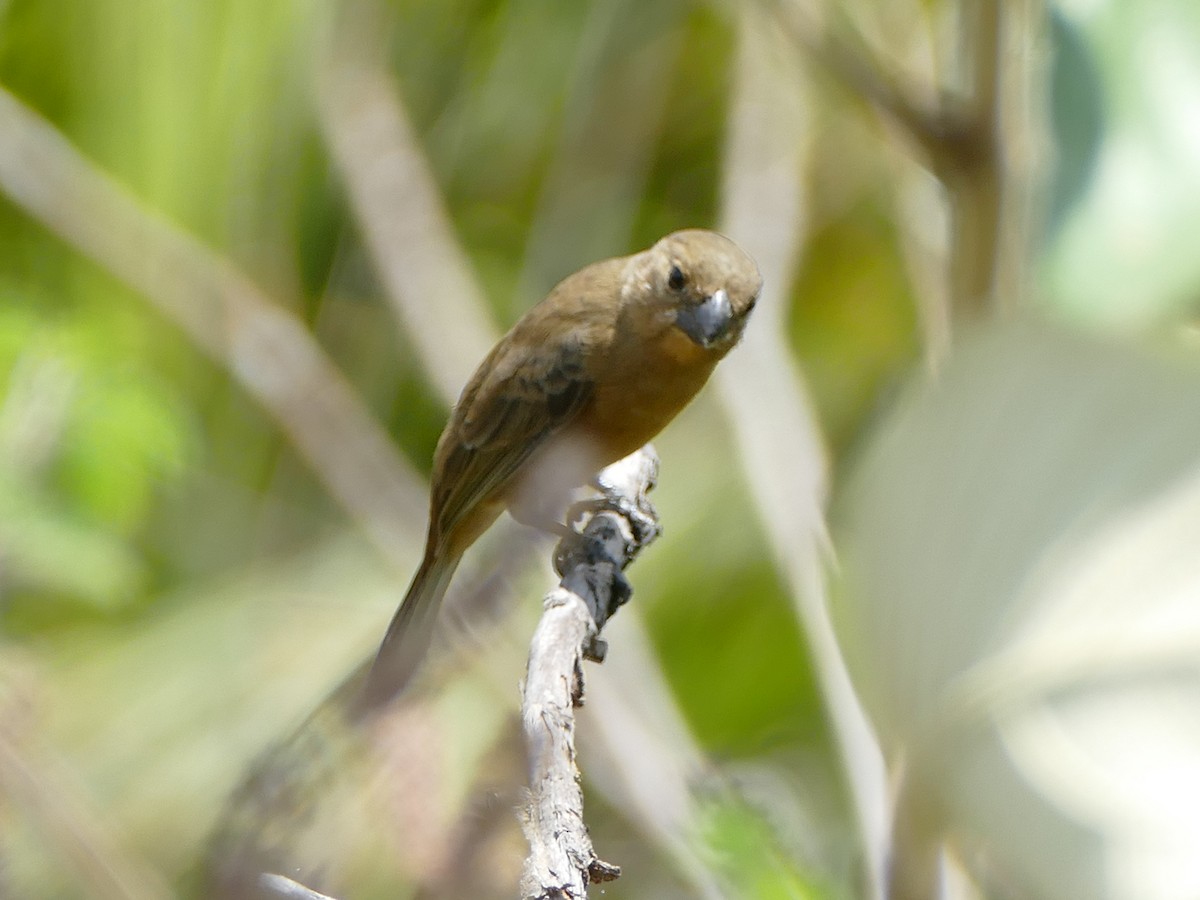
(641, 515)
(577, 548)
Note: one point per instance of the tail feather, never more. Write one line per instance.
(409, 634)
(280, 797)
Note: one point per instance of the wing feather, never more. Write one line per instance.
(504, 421)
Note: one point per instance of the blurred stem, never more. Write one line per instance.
(914, 870)
(427, 274)
(595, 182)
(958, 138)
(265, 347)
(971, 168)
(924, 237)
(765, 397)
(484, 845)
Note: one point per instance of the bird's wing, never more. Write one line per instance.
(526, 395)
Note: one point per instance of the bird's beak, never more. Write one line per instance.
(707, 322)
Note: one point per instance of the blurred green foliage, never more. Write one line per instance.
(148, 505)
(747, 848)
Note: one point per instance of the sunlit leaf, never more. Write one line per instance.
(1022, 599)
(1124, 254)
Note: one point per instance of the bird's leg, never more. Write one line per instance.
(590, 563)
(575, 546)
(572, 542)
(641, 514)
(541, 519)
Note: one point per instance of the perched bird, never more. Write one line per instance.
(585, 377)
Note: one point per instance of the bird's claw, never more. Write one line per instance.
(571, 547)
(642, 516)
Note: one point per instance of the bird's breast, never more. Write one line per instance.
(645, 393)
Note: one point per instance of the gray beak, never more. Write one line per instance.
(707, 322)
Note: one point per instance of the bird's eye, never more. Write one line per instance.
(676, 279)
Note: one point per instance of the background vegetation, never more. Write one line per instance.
(248, 253)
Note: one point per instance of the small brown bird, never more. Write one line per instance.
(586, 377)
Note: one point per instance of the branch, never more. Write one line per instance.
(957, 133)
(561, 860)
(286, 889)
(950, 130)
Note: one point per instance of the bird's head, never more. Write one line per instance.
(702, 284)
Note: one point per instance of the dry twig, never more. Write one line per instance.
(957, 132)
(287, 889)
(562, 861)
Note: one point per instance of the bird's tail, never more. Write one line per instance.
(409, 634)
(282, 791)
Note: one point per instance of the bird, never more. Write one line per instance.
(587, 376)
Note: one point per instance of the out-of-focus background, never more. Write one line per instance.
(250, 251)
